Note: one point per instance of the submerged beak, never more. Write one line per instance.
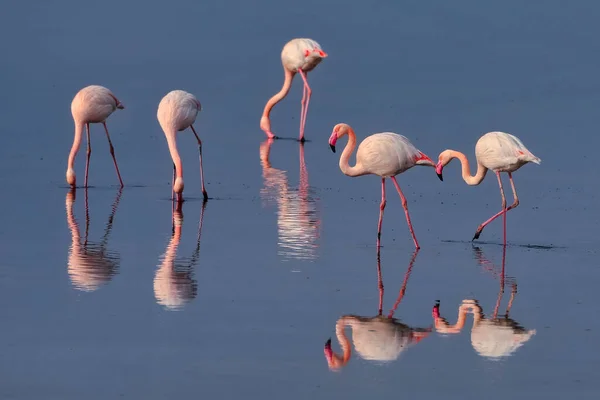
(328, 351)
(438, 170)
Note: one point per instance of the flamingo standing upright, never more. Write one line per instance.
(298, 56)
(177, 111)
(384, 154)
(498, 151)
(92, 104)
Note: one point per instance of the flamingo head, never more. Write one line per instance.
(178, 186)
(444, 158)
(71, 179)
(333, 360)
(338, 131)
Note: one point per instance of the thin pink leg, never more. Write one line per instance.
(302, 116)
(379, 284)
(112, 153)
(201, 169)
(405, 206)
(504, 209)
(381, 208)
(404, 283)
(89, 153)
(304, 106)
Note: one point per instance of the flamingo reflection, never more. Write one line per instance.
(298, 221)
(380, 338)
(90, 264)
(174, 283)
(493, 337)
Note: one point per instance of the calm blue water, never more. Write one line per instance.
(240, 297)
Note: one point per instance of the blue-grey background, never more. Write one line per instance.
(280, 262)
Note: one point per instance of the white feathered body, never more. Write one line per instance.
(302, 54)
(503, 152)
(386, 154)
(93, 104)
(497, 339)
(177, 111)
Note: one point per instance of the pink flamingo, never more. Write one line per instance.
(384, 154)
(92, 104)
(177, 111)
(298, 56)
(498, 151)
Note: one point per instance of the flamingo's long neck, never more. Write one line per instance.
(442, 326)
(72, 222)
(287, 84)
(357, 170)
(76, 144)
(344, 342)
(172, 143)
(466, 170)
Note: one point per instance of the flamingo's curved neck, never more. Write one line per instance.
(357, 170)
(344, 342)
(76, 143)
(172, 143)
(287, 84)
(466, 170)
(442, 326)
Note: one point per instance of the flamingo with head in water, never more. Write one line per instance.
(92, 104)
(177, 111)
(298, 56)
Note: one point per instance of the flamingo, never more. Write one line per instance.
(177, 111)
(498, 151)
(298, 56)
(90, 264)
(379, 338)
(92, 104)
(174, 282)
(298, 219)
(493, 337)
(384, 154)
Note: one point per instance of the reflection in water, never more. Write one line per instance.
(90, 264)
(174, 285)
(493, 337)
(380, 338)
(298, 221)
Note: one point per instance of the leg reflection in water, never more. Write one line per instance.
(90, 264)
(380, 338)
(174, 283)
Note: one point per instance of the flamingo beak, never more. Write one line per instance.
(328, 351)
(332, 139)
(438, 170)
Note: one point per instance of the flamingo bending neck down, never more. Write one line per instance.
(500, 152)
(92, 104)
(384, 154)
(298, 56)
(177, 111)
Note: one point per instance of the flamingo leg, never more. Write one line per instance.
(379, 284)
(112, 153)
(308, 92)
(381, 208)
(201, 169)
(89, 153)
(405, 206)
(504, 209)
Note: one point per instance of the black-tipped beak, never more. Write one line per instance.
(441, 177)
(328, 344)
(332, 147)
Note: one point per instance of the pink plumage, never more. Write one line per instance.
(500, 152)
(177, 111)
(92, 104)
(298, 56)
(384, 154)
